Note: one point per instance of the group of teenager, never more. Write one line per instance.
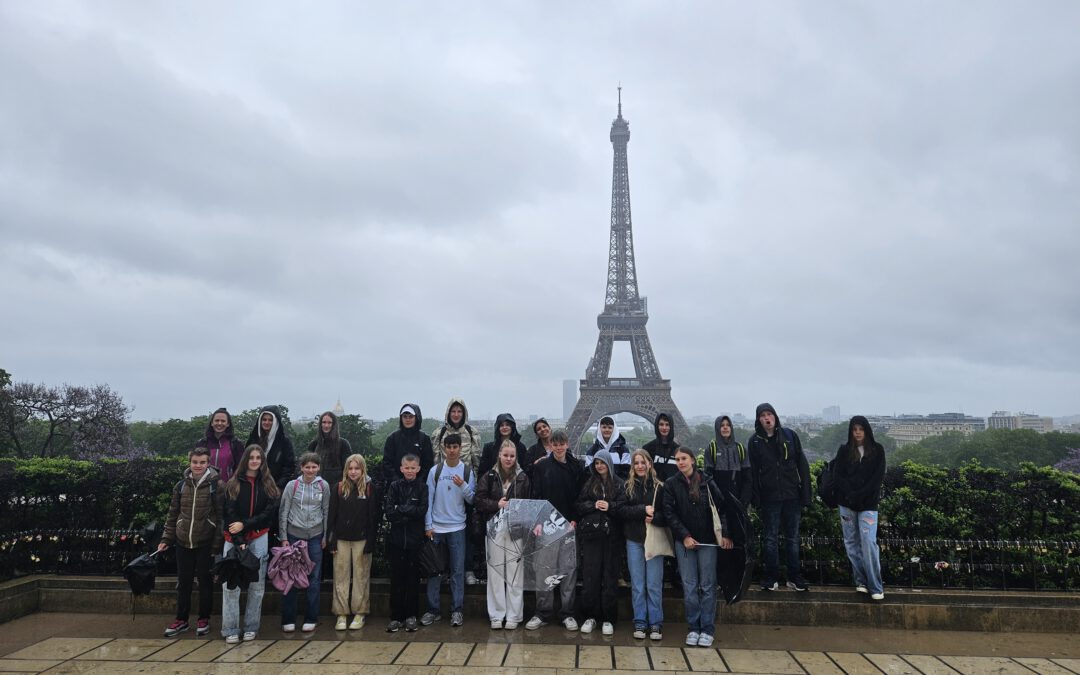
(453, 490)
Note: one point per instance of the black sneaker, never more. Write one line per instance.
(411, 625)
(769, 585)
(393, 626)
(799, 584)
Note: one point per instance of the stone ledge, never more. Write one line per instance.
(918, 609)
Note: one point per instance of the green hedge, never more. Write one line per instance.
(973, 526)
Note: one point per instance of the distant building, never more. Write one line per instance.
(1006, 420)
(832, 415)
(339, 410)
(569, 397)
(908, 429)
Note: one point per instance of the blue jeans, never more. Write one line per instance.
(230, 601)
(455, 544)
(860, 540)
(311, 593)
(774, 517)
(646, 586)
(698, 571)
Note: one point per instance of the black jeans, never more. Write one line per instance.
(600, 561)
(404, 583)
(192, 562)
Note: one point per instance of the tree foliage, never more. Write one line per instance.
(65, 420)
(998, 448)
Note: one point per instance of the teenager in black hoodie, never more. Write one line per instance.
(859, 469)
(407, 440)
(331, 448)
(662, 448)
(781, 488)
(505, 427)
(269, 433)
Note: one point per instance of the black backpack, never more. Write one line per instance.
(826, 485)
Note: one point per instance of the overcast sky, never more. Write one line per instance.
(870, 205)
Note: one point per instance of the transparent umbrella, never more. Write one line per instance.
(530, 545)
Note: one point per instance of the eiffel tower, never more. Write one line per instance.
(624, 317)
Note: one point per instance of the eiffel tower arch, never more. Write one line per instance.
(624, 317)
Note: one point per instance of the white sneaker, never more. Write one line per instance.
(692, 639)
(878, 596)
(607, 628)
(470, 579)
(861, 589)
(357, 622)
(342, 623)
(588, 626)
(704, 640)
(496, 624)
(510, 625)
(656, 633)
(308, 627)
(535, 623)
(639, 633)
(232, 640)
(288, 627)
(570, 623)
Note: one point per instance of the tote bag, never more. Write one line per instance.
(658, 540)
(717, 525)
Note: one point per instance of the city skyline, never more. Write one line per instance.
(875, 205)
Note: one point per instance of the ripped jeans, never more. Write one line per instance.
(860, 540)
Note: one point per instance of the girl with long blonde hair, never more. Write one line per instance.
(644, 504)
(351, 526)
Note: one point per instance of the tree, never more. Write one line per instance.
(51, 421)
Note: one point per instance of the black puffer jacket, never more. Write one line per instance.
(686, 517)
(632, 509)
(404, 442)
(405, 506)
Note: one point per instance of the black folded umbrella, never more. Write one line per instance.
(735, 567)
(238, 567)
(141, 573)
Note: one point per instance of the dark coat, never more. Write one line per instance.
(405, 442)
(559, 483)
(352, 518)
(405, 506)
(252, 507)
(489, 490)
(490, 454)
(632, 509)
(281, 458)
(858, 482)
(778, 467)
(615, 495)
(687, 518)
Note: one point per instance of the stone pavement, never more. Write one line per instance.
(100, 643)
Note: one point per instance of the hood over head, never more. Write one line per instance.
(277, 430)
(720, 440)
(464, 413)
(869, 442)
(507, 417)
(229, 433)
(757, 417)
(413, 408)
(606, 445)
(605, 457)
(670, 440)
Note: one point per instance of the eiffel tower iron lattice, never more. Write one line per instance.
(624, 317)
